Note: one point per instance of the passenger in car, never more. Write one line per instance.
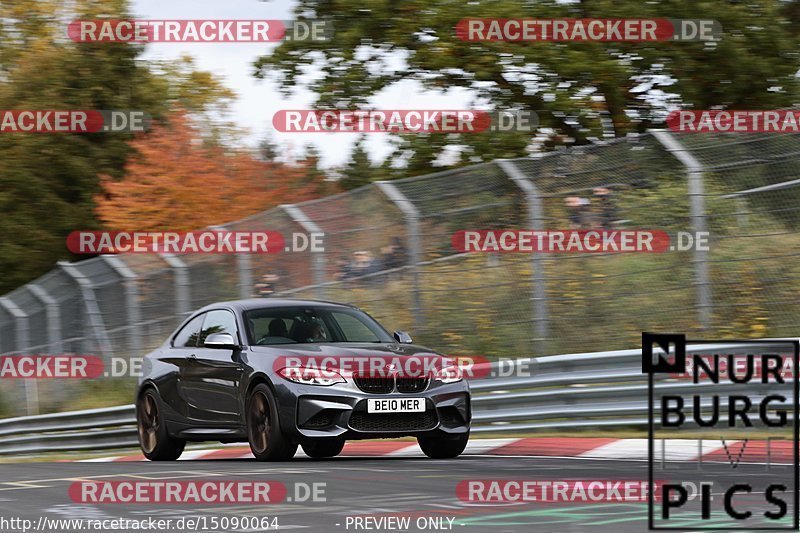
(277, 328)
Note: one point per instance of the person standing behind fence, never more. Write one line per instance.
(576, 209)
(266, 285)
(607, 211)
(394, 255)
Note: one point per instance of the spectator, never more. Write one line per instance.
(576, 208)
(266, 285)
(394, 255)
(343, 270)
(607, 211)
(362, 263)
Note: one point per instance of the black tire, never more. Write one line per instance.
(154, 439)
(267, 441)
(443, 446)
(323, 448)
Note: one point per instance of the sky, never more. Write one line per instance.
(257, 100)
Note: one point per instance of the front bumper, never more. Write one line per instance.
(310, 412)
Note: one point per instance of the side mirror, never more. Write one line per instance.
(220, 340)
(402, 337)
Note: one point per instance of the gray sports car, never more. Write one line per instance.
(282, 373)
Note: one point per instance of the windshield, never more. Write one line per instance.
(309, 324)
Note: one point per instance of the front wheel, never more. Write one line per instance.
(154, 440)
(267, 442)
(323, 448)
(443, 446)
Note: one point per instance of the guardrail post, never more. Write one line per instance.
(317, 258)
(93, 313)
(183, 302)
(541, 317)
(769, 452)
(699, 454)
(694, 172)
(22, 326)
(53, 312)
(132, 309)
(411, 214)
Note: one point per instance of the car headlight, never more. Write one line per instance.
(310, 376)
(448, 374)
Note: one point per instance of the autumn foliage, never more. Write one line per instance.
(177, 182)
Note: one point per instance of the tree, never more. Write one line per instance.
(359, 170)
(175, 182)
(573, 87)
(202, 94)
(48, 181)
(315, 175)
(268, 149)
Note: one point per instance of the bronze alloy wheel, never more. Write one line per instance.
(259, 422)
(154, 439)
(267, 441)
(148, 423)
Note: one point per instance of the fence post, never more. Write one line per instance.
(93, 314)
(742, 218)
(541, 317)
(22, 327)
(694, 173)
(54, 334)
(183, 302)
(132, 308)
(411, 214)
(317, 258)
(244, 266)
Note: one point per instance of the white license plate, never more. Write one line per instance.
(396, 405)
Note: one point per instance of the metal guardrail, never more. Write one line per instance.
(94, 429)
(603, 390)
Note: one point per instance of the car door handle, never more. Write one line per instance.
(193, 356)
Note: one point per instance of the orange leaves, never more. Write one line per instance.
(177, 182)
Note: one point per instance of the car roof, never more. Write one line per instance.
(261, 303)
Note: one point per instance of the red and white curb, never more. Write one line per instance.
(755, 451)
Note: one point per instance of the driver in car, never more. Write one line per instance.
(316, 333)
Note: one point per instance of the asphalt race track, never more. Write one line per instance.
(386, 486)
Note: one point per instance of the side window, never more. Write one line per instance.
(354, 330)
(187, 336)
(218, 321)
